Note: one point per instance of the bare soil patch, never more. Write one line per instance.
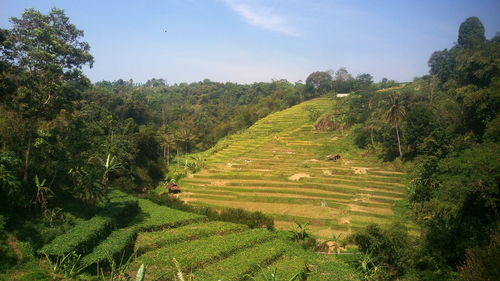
(299, 176)
(344, 221)
(360, 170)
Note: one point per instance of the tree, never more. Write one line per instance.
(343, 82)
(395, 115)
(364, 80)
(390, 248)
(463, 208)
(319, 82)
(471, 33)
(48, 49)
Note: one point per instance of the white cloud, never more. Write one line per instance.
(261, 16)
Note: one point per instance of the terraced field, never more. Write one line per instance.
(278, 166)
(155, 235)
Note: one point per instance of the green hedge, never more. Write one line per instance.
(252, 219)
(118, 244)
(153, 216)
(290, 266)
(159, 217)
(86, 234)
(247, 262)
(194, 254)
(151, 240)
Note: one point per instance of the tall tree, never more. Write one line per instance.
(49, 50)
(395, 115)
(471, 33)
(319, 82)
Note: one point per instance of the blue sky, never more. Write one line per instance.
(255, 40)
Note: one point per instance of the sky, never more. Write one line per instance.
(247, 41)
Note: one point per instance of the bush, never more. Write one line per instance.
(252, 219)
(482, 262)
(86, 234)
(390, 249)
(118, 244)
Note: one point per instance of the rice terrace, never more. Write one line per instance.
(249, 140)
(279, 166)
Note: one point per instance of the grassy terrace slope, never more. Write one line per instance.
(255, 170)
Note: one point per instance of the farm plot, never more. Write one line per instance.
(278, 166)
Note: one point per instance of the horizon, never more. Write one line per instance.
(257, 41)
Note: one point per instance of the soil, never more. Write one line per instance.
(298, 176)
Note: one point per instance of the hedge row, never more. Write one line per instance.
(289, 267)
(252, 219)
(118, 244)
(153, 216)
(160, 217)
(244, 263)
(147, 241)
(195, 254)
(86, 234)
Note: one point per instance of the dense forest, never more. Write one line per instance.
(447, 124)
(65, 142)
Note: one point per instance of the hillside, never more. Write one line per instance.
(278, 166)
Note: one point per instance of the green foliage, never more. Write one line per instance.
(193, 254)
(120, 270)
(86, 234)
(314, 113)
(388, 252)
(482, 262)
(319, 82)
(119, 243)
(300, 233)
(68, 264)
(10, 184)
(471, 33)
(150, 240)
(241, 216)
(245, 263)
(461, 205)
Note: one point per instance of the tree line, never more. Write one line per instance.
(446, 124)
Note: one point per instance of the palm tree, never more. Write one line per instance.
(169, 140)
(395, 115)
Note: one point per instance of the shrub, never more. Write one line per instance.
(118, 244)
(482, 262)
(86, 234)
(389, 248)
(252, 219)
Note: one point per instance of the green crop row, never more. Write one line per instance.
(244, 263)
(330, 267)
(153, 216)
(118, 243)
(151, 240)
(160, 217)
(86, 234)
(194, 254)
(289, 267)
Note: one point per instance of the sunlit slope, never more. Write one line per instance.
(278, 166)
